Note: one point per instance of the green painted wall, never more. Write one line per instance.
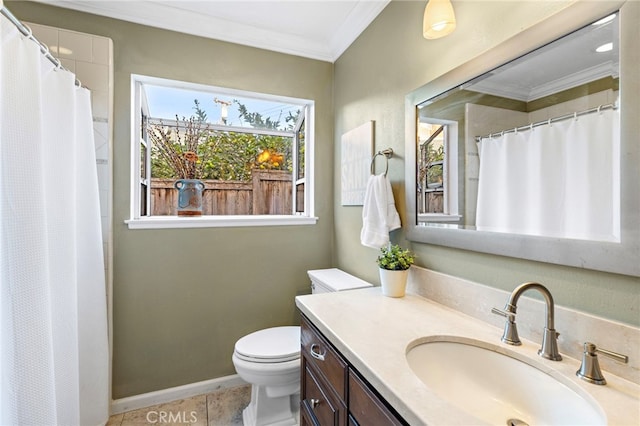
(181, 298)
(389, 60)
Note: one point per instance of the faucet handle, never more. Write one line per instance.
(511, 316)
(590, 367)
(510, 335)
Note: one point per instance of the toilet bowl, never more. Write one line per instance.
(269, 360)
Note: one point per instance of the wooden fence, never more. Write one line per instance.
(269, 192)
(434, 202)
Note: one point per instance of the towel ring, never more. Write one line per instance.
(388, 153)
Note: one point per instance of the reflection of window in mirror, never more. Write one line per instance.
(437, 170)
(431, 168)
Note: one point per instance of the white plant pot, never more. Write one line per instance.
(394, 283)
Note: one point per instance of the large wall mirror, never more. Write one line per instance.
(531, 150)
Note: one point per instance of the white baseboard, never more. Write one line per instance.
(171, 394)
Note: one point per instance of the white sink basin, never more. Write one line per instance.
(497, 388)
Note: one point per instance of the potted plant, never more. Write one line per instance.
(394, 263)
(185, 154)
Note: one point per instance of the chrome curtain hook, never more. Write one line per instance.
(29, 33)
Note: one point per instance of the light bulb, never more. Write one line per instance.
(438, 26)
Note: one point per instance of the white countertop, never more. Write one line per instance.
(374, 332)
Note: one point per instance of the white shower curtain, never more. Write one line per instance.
(54, 359)
(557, 180)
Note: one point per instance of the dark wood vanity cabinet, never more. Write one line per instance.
(333, 392)
(365, 407)
(323, 383)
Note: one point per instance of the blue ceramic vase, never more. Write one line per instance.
(189, 197)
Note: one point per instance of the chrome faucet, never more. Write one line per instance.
(549, 349)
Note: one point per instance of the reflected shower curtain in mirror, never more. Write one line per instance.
(54, 358)
(557, 180)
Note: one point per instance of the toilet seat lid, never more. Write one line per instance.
(276, 344)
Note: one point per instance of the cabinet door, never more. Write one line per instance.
(306, 417)
(324, 358)
(320, 406)
(365, 408)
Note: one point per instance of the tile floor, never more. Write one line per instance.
(220, 408)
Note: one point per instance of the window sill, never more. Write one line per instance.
(172, 222)
(438, 217)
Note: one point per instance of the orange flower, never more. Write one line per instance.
(264, 156)
(191, 156)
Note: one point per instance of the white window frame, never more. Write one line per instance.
(450, 175)
(136, 221)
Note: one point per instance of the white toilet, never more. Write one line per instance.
(270, 360)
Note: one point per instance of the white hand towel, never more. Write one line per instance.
(379, 214)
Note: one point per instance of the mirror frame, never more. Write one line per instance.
(622, 257)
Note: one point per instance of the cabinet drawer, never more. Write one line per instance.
(365, 408)
(319, 353)
(318, 404)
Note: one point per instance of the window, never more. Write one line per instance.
(251, 151)
(437, 171)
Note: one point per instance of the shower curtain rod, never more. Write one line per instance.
(549, 121)
(26, 31)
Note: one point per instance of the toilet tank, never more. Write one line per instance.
(333, 279)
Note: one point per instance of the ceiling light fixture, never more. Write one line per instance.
(605, 48)
(439, 19)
